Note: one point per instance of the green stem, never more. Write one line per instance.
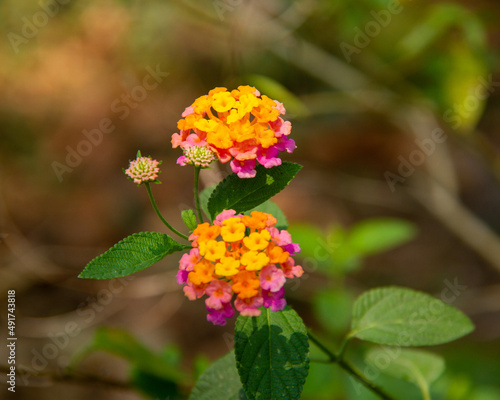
(358, 375)
(350, 369)
(343, 346)
(197, 193)
(153, 202)
(331, 357)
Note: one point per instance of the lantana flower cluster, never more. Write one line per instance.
(143, 169)
(242, 255)
(241, 126)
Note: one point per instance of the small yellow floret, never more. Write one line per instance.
(217, 90)
(206, 125)
(222, 102)
(212, 250)
(257, 240)
(232, 230)
(227, 266)
(254, 261)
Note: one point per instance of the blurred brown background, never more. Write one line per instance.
(357, 102)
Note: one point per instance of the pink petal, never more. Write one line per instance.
(188, 111)
(272, 278)
(244, 169)
(275, 301)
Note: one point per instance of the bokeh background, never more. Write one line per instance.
(84, 85)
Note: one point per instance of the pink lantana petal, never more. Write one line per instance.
(274, 300)
(219, 317)
(188, 111)
(249, 307)
(292, 248)
(219, 292)
(272, 278)
(181, 161)
(182, 277)
(223, 155)
(190, 260)
(194, 140)
(226, 214)
(268, 157)
(193, 292)
(286, 144)
(244, 169)
(250, 153)
(176, 140)
(291, 270)
(279, 106)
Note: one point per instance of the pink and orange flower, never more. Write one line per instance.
(242, 255)
(242, 127)
(143, 169)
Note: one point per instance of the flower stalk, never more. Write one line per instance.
(153, 203)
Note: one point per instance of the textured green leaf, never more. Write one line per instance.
(416, 366)
(220, 381)
(244, 194)
(272, 354)
(403, 317)
(272, 208)
(132, 254)
(379, 234)
(189, 219)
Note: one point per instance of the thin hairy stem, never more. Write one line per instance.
(197, 193)
(153, 202)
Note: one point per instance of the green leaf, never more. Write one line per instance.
(132, 254)
(153, 386)
(189, 219)
(272, 354)
(244, 194)
(379, 234)
(460, 85)
(416, 366)
(403, 317)
(219, 381)
(272, 208)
